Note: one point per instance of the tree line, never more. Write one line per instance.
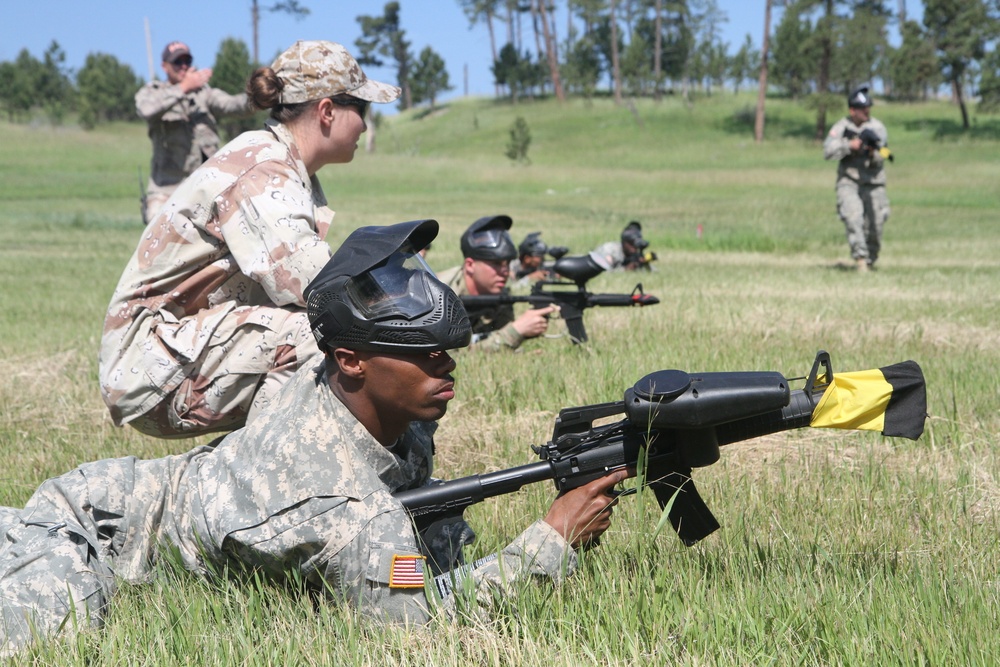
(103, 90)
(818, 52)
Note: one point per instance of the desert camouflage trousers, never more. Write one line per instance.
(233, 380)
(864, 210)
(52, 578)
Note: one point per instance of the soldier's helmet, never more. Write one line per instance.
(532, 246)
(487, 238)
(633, 234)
(376, 293)
(860, 98)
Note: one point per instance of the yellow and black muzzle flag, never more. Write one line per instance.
(892, 399)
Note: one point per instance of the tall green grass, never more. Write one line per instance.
(836, 547)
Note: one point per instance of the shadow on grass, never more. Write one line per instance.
(742, 120)
(843, 267)
(742, 241)
(945, 130)
(420, 114)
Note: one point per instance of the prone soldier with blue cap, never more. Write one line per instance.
(305, 491)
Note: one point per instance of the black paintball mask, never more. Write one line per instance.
(378, 294)
(488, 238)
(633, 234)
(532, 246)
(860, 98)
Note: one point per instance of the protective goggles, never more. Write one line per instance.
(489, 239)
(398, 288)
(533, 246)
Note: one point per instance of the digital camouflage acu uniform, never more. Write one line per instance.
(183, 131)
(209, 310)
(862, 202)
(304, 488)
(609, 256)
(493, 328)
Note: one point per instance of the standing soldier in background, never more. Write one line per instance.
(860, 143)
(181, 113)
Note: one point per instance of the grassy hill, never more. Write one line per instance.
(836, 548)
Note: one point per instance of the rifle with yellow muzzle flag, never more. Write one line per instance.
(676, 421)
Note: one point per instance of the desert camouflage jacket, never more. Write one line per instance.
(244, 231)
(305, 489)
(864, 167)
(182, 126)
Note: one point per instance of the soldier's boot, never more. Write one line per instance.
(862, 264)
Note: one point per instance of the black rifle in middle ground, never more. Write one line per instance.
(570, 295)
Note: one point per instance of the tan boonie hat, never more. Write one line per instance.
(312, 70)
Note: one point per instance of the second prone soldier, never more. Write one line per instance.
(488, 249)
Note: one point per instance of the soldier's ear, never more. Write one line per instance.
(348, 362)
(325, 110)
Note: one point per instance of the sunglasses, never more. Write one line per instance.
(349, 101)
(183, 61)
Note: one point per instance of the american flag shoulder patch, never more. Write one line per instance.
(406, 571)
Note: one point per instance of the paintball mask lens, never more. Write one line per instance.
(488, 239)
(398, 288)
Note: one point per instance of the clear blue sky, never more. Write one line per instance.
(118, 28)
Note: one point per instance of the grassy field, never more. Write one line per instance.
(836, 547)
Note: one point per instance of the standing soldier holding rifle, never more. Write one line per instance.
(860, 143)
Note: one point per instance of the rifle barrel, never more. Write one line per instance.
(621, 299)
(453, 496)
